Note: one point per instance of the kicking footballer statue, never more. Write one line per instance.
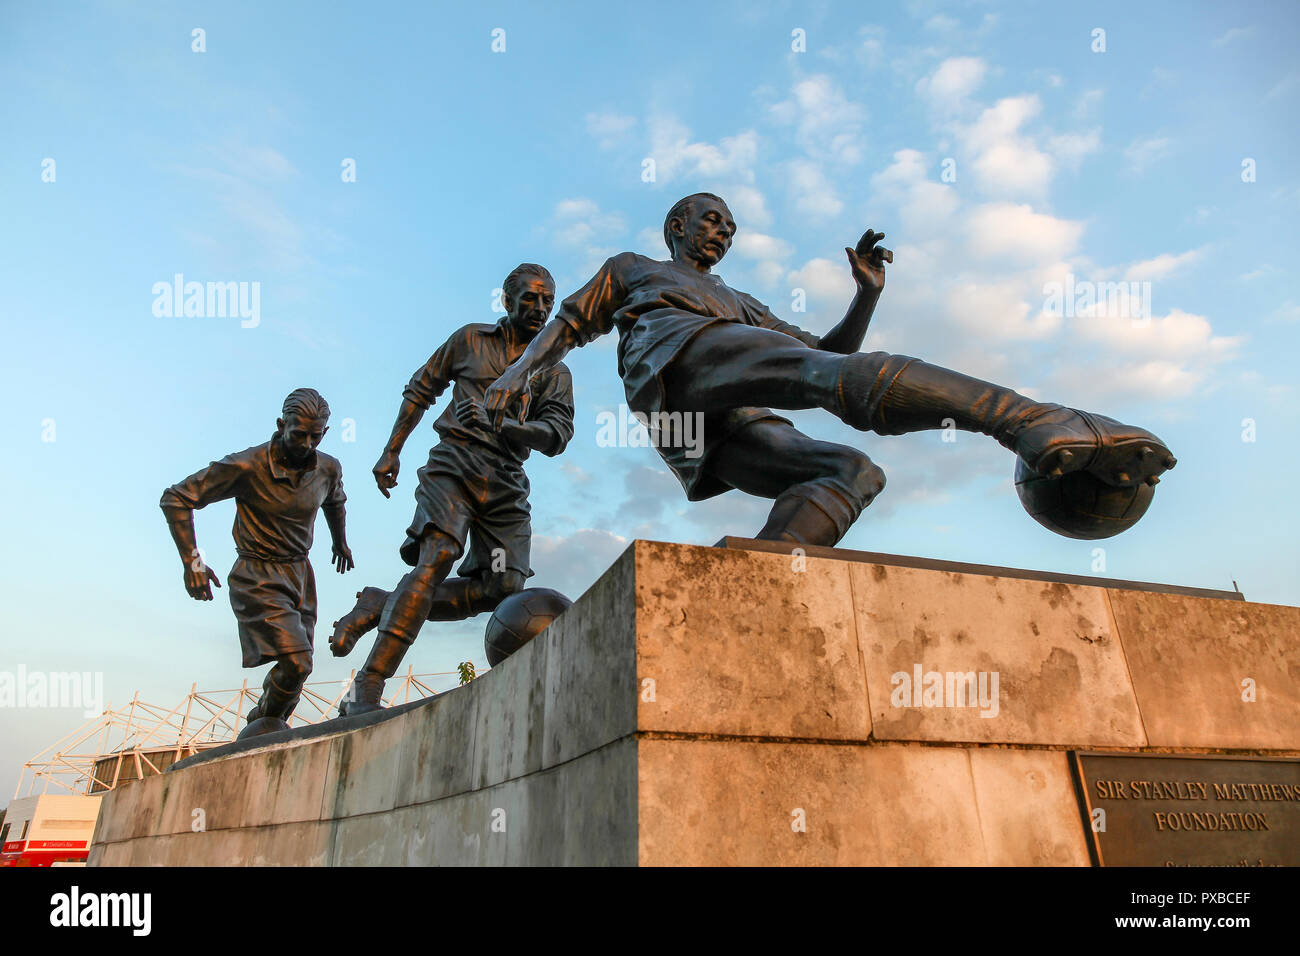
(278, 487)
(473, 486)
(690, 344)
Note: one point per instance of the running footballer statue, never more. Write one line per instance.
(278, 487)
(690, 344)
(473, 486)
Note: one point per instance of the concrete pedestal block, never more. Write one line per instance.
(747, 705)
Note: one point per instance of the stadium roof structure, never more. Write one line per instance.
(142, 739)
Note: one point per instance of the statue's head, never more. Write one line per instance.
(699, 228)
(303, 422)
(528, 295)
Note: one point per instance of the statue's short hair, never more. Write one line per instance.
(683, 209)
(305, 403)
(511, 285)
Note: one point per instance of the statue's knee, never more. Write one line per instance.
(872, 479)
(500, 586)
(863, 476)
(294, 669)
(437, 552)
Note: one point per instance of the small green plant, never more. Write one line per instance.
(466, 669)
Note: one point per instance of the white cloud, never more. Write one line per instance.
(758, 245)
(261, 162)
(811, 191)
(1233, 34)
(925, 206)
(1177, 337)
(609, 129)
(1071, 148)
(825, 281)
(1161, 265)
(747, 204)
(581, 222)
(1008, 230)
(677, 156)
(649, 490)
(1114, 357)
(1002, 120)
(872, 49)
(1283, 86)
(952, 82)
(1088, 103)
(769, 273)
(1161, 79)
(575, 208)
(1007, 162)
(828, 125)
(1141, 153)
(271, 234)
(908, 167)
(1152, 380)
(650, 242)
(726, 168)
(571, 564)
(999, 309)
(1288, 311)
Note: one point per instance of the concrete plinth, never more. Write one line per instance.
(741, 705)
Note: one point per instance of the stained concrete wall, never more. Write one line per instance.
(710, 705)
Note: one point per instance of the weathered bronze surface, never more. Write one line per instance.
(278, 488)
(471, 496)
(1161, 810)
(691, 347)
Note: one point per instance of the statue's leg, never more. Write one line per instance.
(497, 554)
(363, 618)
(460, 598)
(275, 604)
(282, 688)
(454, 600)
(405, 611)
(895, 394)
(729, 365)
(820, 488)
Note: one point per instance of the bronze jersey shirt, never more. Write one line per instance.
(474, 357)
(275, 505)
(658, 307)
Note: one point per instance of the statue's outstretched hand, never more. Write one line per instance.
(867, 262)
(511, 387)
(341, 555)
(197, 578)
(385, 471)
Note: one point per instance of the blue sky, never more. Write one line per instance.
(1115, 165)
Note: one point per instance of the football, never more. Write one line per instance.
(1080, 505)
(520, 618)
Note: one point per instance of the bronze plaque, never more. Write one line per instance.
(1156, 810)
